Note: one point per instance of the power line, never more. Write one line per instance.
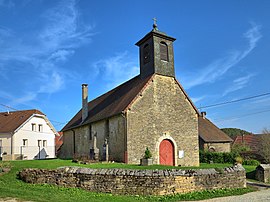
(57, 122)
(244, 115)
(8, 107)
(233, 101)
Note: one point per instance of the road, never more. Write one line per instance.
(262, 196)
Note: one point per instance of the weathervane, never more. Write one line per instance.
(155, 24)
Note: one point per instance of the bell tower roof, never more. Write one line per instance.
(156, 53)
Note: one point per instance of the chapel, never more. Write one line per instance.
(151, 110)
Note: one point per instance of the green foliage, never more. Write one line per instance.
(239, 148)
(251, 162)
(147, 154)
(238, 159)
(264, 145)
(217, 157)
(10, 186)
(233, 132)
(207, 194)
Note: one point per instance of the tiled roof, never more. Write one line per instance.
(115, 102)
(111, 103)
(250, 140)
(10, 121)
(209, 132)
(58, 140)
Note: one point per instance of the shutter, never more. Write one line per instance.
(163, 51)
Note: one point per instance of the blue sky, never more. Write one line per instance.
(48, 48)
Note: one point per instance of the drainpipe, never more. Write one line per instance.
(11, 143)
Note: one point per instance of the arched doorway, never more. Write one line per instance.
(166, 153)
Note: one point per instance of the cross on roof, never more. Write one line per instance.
(155, 24)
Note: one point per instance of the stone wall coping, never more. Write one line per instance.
(157, 173)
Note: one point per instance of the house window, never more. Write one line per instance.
(163, 51)
(39, 143)
(44, 143)
(25, 142)
(40, 128)
(33, 127)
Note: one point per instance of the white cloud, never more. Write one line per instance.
(56, 41)
(197, 99)
(54, 82)
(62, 29)
(238, 84)
(219, 67)
(61, 55)
(116, 69)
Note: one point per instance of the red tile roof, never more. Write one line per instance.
(209, 132)
(251, 141)
(10, 121)
(58, 140)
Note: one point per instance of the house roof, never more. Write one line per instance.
(114, 102)
(10, 121)
(209, 132)
(59, 140)
(250, 140)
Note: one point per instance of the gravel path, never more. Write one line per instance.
(262, 196)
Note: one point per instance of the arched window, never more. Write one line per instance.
(163, 51)
(146, 54)
(211, 149)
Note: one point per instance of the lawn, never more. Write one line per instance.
(10, 186)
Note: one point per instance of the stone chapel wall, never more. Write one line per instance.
(162, 111)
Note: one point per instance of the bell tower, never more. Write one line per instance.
(156, 53)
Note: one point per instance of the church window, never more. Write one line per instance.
(107, 128)
(90, 132)
(146, 53)
(163, 51)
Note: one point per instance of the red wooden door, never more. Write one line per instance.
(166, 153)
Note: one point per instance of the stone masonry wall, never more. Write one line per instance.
(162, 111)
(138, 182)
(82, 142)
(219, 147)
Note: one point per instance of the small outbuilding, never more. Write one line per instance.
(263, 173)
(211, 138)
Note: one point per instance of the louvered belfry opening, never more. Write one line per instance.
(163, 51)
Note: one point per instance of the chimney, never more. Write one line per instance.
(203, 114)
(84, 101)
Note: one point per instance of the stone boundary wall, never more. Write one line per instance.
(139, 182)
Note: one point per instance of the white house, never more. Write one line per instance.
(26, 134)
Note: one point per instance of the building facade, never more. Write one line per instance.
(26, 134)
(151, 110)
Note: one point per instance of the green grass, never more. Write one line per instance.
(10, 186)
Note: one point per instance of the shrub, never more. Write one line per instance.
(238, 159)
(147, 154)
(217, 157)
(251, 162)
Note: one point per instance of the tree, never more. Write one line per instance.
(265, 144)
(233, 132)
